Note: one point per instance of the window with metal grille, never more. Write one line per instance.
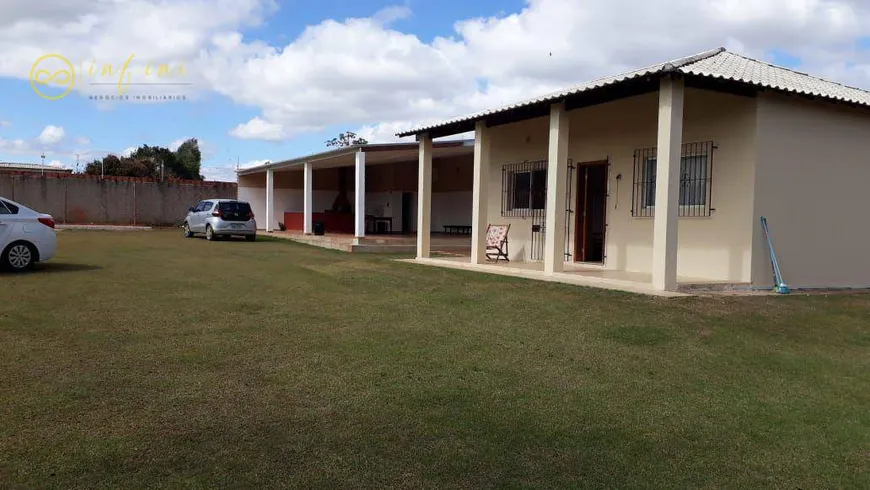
(696, 181)
(524, 189)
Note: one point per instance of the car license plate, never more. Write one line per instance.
(238, 225)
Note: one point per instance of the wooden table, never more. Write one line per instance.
(372, 223)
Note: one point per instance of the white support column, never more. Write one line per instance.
(667, 200)
(424, 196)
(359, 194)
(270, 200)
(307, 199)
(480, 194)
(557, 190)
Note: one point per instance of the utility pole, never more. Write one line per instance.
(43, 162)
(77, 163)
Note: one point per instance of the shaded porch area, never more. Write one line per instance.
(582, 275)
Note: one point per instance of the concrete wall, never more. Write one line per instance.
(80, 199)
(717, 247)
(811, 183)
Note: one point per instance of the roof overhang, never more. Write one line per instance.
(375, 154)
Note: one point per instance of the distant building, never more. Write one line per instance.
(32, 167)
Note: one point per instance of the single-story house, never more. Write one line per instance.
(360, 190)
(659, 177)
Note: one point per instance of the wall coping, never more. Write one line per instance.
(141, 180)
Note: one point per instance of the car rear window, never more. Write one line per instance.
(242, 208)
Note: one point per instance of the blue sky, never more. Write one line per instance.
(210, 117)
(373, 76)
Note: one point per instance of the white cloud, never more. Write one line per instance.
(32, 149)
(386, 132)
(90, 32)
(16, 146)
(5, 124)
(367, 73)
(227, 172)
(259, 129)
(51, 135)
(391, 14)
(128, 151)
(57, 164)
(383, 132)
(364, 73)
(175, 144)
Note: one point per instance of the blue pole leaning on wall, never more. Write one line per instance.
(779, 284)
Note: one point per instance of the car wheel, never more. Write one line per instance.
(209, 233)
(18, 257)
(250, 238)
(186, 229)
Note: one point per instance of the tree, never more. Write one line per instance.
(153, 162)
(189, 158)
(109, 165)
(348, 138)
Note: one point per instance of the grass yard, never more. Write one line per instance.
(147, 360)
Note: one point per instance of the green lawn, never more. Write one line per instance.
(148, 360)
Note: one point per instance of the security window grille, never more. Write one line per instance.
(524, 189)
(696, 179)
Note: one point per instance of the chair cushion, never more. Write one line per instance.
(496, 235)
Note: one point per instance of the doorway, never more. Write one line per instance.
(407, 199)
(591, 217)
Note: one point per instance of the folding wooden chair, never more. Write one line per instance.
(497, 242)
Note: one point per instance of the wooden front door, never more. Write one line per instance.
(591, 224)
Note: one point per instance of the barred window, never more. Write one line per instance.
(696, 179)
(524, 188)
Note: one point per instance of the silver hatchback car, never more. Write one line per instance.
(221, 217)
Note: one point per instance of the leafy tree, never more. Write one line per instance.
(153, 162)
(110, 165)
(188, 158)
(348, 138)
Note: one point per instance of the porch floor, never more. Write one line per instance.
(577, 274)
(459, 244)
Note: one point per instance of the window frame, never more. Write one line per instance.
(531, 205)
(693, 178)
(649, 196)
(519, 201)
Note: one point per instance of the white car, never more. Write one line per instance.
(26, 237)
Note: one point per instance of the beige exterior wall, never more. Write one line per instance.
(714, 248)
(811, 183)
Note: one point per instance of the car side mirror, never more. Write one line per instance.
(190, 210)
